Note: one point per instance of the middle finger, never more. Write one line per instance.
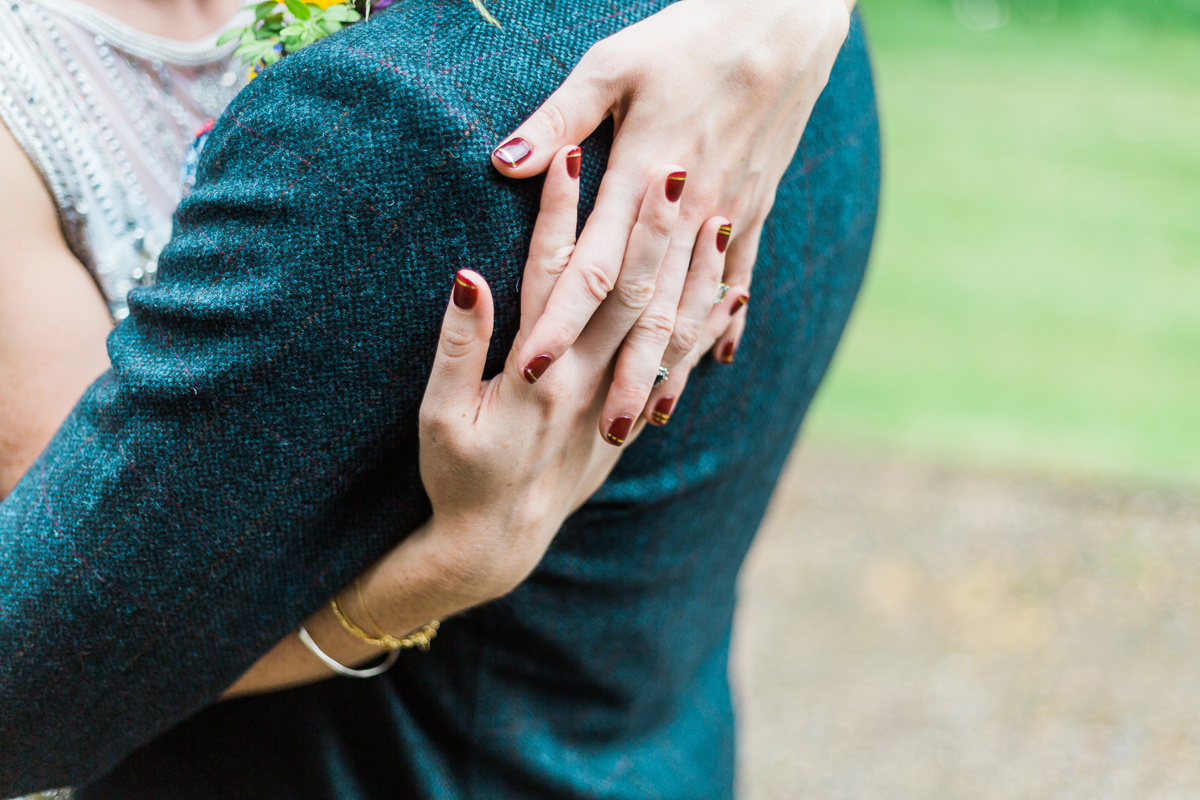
(626, 305)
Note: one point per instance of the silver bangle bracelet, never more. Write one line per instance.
(340, 669)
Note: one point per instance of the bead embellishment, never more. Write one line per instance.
(107, 128)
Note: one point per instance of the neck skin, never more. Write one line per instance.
(185, 20)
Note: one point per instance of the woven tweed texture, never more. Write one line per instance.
(254, 447)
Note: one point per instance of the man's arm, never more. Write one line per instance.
(254, 445)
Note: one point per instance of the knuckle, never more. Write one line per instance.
(555, 335)
(552, 393)
(551, 259)
(656, 228)
(558, 257)
(552, 119)
(456, 342)
(700, 198)
(601, 62)
(757, 67)
(598, 280)
(635, 293)
(435, 426)
(656, 325)
(686, 335)
(427, 417)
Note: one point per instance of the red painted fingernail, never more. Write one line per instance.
(662, 410)
(514, 151)
(536, 366)
(574, 162)
(618, 430)
(727, 352)
(723, 234)
(737, 304)
(465, 292)
(675, 183)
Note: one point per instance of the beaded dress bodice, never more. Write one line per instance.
(106, 114)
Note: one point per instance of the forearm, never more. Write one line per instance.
(412, 585)
(211, 489)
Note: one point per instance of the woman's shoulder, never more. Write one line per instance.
(27, 211)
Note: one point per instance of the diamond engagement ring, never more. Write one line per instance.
(661, 377)
(722, 290)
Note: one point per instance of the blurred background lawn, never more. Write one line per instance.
(978, 575)
(1034, 297)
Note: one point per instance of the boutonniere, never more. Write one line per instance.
(283, 27)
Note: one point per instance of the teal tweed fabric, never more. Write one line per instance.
(254, 446)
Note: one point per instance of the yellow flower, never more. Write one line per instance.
(324, 3)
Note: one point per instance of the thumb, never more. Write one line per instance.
(566, 118)
(454, 383)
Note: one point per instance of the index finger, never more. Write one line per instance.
(553, 239)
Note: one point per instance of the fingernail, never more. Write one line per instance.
(723, 234)
(536, 366)
(514, 151)
(662, 410)
(574, 162)
(619, 429)
(737, 304)
(465, 292)
(727, 351)
(675, 183)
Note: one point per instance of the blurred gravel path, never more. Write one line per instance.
(915, 632)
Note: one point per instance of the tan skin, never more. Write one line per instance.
(52, 346)
(185, 20)
(54, 318)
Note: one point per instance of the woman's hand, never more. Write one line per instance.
(504, 461)
(724, 87)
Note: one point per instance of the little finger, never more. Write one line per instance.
(724, 322)
(725, 350)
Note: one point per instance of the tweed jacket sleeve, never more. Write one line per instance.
(254, 445)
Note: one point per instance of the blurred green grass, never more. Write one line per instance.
(1034, 296)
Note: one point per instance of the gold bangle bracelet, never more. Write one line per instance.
(419, 638)
(362, 604)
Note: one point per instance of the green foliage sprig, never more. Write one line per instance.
(281, 27)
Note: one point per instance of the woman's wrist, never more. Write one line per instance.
(434, 573)
(410, 587)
